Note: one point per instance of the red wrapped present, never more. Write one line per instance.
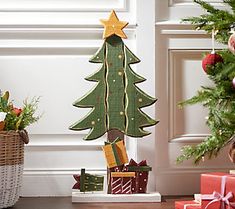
(121, 182)
(218, 191)
(190, 204)
(139, 183)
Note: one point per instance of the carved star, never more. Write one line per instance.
(113, 26)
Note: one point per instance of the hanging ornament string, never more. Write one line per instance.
(213, 41)
(232, 28)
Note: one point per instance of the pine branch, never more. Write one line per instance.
(206, 6)
(231, 3)
(220, 20)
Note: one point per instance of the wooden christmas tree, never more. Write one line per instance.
(115, 101)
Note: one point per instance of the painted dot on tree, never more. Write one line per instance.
(114, 81)
(121, 113)
(120, 56)
(120, 73)
(220, 132)
(132, 118)
(140, 100)
(145, 179)
(97, 57)
(98, 119)
(92, 122)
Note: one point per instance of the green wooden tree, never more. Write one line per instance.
(115, 101)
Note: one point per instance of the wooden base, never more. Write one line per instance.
(78, 197)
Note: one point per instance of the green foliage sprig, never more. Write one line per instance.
(18, 118)
(220, 98)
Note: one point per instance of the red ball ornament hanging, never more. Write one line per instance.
(211, 60)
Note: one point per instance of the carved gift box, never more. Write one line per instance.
(121, 182)
(88, 183)
(139, 183)
(115, 153)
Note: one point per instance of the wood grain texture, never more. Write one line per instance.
(65, 203)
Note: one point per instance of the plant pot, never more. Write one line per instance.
(11, 166)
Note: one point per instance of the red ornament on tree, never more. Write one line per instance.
(211, 60)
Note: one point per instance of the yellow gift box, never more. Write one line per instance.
(115, 153)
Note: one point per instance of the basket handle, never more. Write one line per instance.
(24, 136)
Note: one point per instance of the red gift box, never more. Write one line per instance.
(139, 183)
(192, 204)
(121, 182)
(218, 191)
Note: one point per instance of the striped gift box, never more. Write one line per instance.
(121, 182)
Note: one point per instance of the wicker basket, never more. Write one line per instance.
(11, 166)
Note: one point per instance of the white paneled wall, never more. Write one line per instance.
(44, 50)
(45, 47)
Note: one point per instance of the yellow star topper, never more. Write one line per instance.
(113, 26)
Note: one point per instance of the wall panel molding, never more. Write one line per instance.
(190, 2)
(58, 32)
(62, 171)
(63, 140)
(54, 39)
(191, 170)
(64, 6)
(176, 57)
(52, 182)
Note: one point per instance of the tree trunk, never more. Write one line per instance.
(111, 136)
